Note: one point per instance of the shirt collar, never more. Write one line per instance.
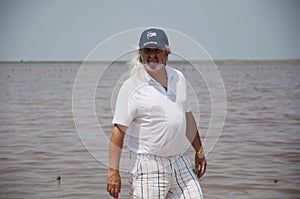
(170, 74)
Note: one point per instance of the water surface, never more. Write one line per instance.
(256, 156)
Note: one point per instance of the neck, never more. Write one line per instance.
(160, 76)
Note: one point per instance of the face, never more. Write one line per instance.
(154, 58)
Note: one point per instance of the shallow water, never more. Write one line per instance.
(257, 154)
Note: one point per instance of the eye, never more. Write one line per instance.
(149, 50)
(157, 50)
(146, 50)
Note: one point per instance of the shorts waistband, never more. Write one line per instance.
(153, 156)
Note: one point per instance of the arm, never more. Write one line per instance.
(194, 138)
(113, 185)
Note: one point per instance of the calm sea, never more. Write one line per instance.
(257, 155)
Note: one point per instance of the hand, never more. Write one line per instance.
(113, 184)
(200, 165)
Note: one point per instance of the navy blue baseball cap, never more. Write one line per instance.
(153, 37)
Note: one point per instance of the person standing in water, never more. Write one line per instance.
(152, 109)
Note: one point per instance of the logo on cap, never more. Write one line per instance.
(151, 34)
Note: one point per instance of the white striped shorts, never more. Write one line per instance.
(153, 177)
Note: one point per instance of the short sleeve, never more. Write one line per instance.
(183, 87)
(124, 114)
(187, 106)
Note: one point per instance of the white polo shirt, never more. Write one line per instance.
(155, 117)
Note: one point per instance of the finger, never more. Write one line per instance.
(115, 193)
(196, 171)
(203, 169)
(199, 168)
(199, 172)
(204, 164)
(107, 188)
(111, 191)
(119, 187)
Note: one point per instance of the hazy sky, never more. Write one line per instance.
(66, 30)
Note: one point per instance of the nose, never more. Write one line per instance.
(152, 54)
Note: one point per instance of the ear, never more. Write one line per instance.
(167, 54)
(168, 49)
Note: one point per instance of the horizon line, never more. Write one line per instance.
(170, 61)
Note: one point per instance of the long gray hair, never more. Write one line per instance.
(135, 65)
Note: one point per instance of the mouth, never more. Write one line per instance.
(154, 61)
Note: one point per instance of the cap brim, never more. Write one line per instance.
(151, 44)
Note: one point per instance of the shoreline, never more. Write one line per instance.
(217, 61)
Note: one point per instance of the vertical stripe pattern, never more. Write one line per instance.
(155, 177)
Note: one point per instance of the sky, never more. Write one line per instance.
(68, 30)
